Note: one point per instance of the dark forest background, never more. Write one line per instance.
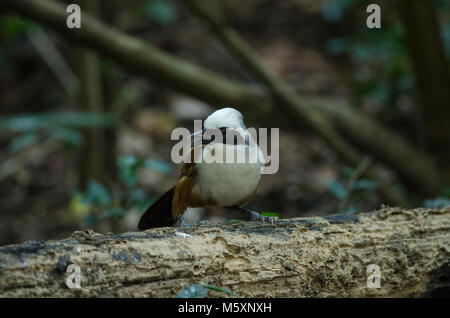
(86, 117)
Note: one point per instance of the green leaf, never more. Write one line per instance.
(21, 123)
(270, 214)
(161, 166)
(22, 142)
(14, 26)
(162, 11)
(82, 119)
(98, 193)
(128, 165)
(446, 192)
(128, 177)
(347, 171)
(69, 136)
(137, 195)
(364, 195)
(337, 45)
(436, 203)
(90, 219)
(128, 162)
(334, 11)
(337, 189)
(201, 291)
(365, 184)
(78, 205)
(29, 122)
(221, 289)
(193, 291)
(351, 209)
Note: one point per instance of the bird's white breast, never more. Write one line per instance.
(228, 183)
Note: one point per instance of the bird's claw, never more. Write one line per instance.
(194, 224)
(255, 216)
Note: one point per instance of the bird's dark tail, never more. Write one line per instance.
(159, 214)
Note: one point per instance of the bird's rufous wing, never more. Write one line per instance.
(187, 191)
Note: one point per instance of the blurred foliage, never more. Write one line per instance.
(201, 291)
(270, 214)
(334, 11)
(32, 128)
(382, 70)
(436, 203)
(129, 165)
(360, 190)
(163, 12)
(440, 202)
(28, 122)
(98, 203)
(12, 27)
(381, 67)
(443, 6)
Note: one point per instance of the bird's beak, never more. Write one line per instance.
(198, 133)
(198, 137)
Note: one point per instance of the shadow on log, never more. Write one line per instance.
(303, 257)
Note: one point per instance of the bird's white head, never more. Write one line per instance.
(225, 117)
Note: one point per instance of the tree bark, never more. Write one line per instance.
(170, 71)
(90, 99)
(431, 68)
(303, 257)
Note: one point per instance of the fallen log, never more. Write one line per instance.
(333, 256)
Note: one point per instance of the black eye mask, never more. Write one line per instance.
(219, 135)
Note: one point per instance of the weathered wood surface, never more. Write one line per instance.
(304, 257)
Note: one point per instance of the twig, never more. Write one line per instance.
(27, 156)
(359, 171)
(54, 60)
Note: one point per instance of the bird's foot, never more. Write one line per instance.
(194, 224)
(256, 216)
(202, 222)
(253, 215)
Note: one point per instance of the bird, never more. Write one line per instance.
(206, 181)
